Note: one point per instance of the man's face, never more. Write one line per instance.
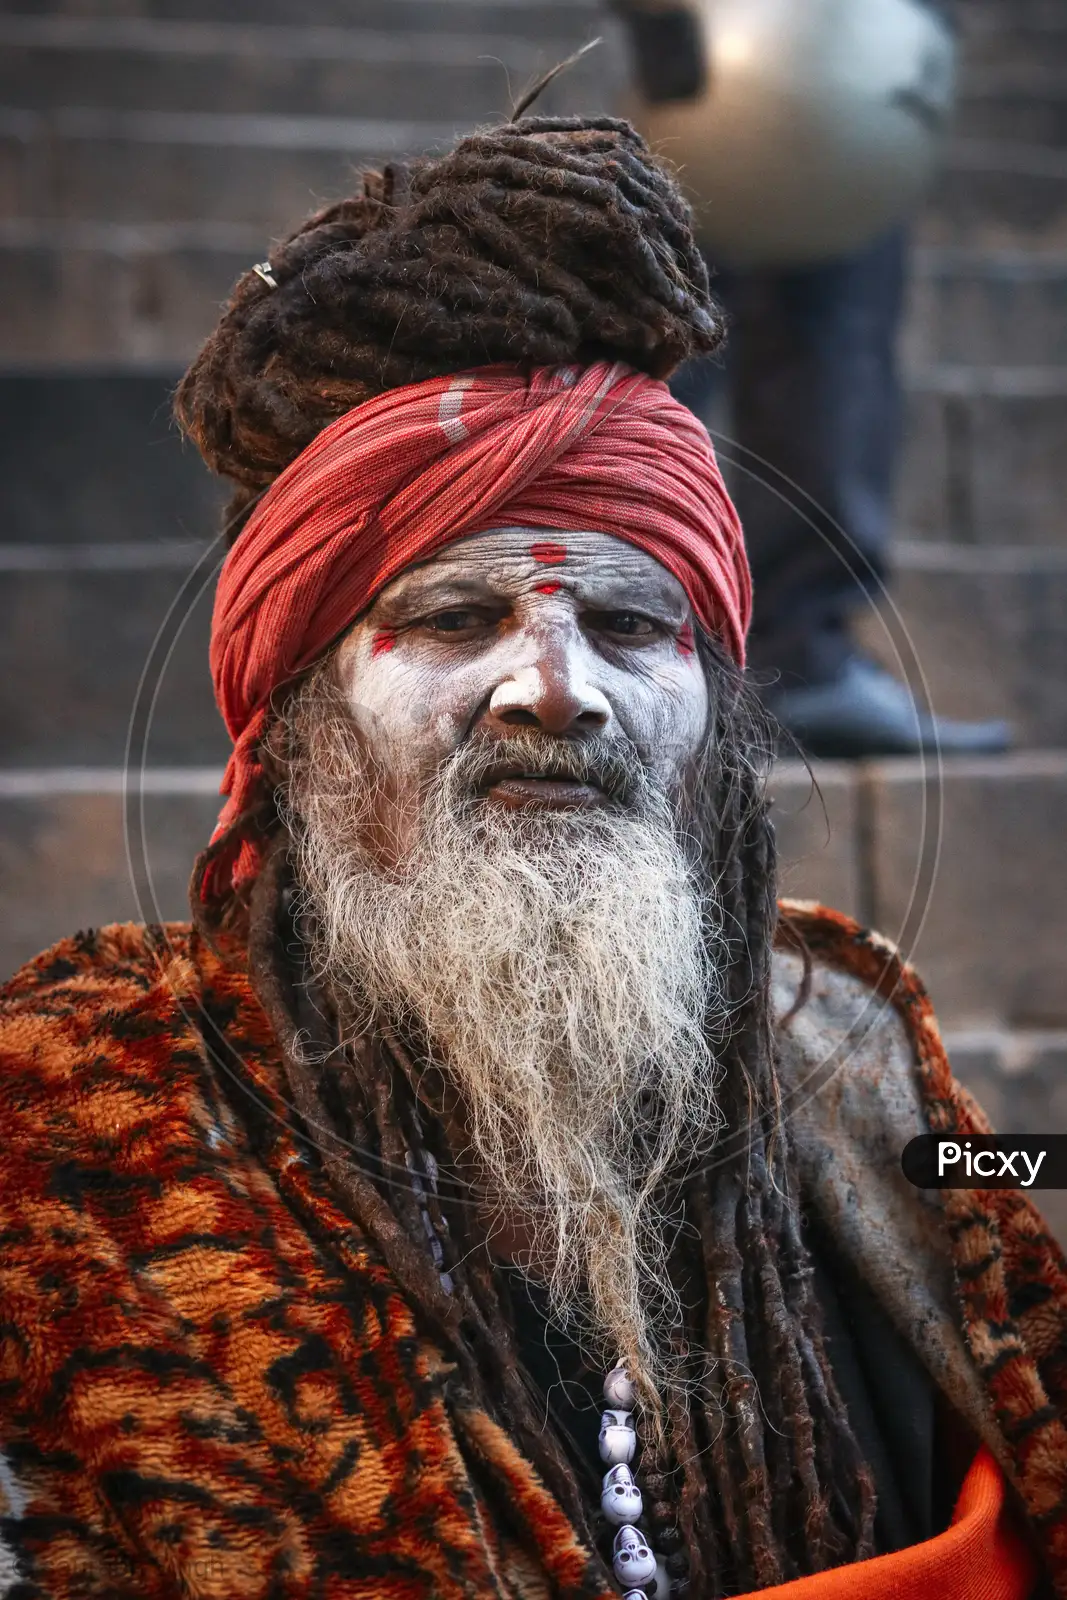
(494, 841)
(578, 636)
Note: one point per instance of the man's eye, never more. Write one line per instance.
(457, 621)
(628, 623)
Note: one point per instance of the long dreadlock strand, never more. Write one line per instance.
(270, 957)
(469, 1330)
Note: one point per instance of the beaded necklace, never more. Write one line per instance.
(636, 1566)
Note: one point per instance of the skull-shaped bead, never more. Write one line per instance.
(631, 1558)
(620, 1500)
(618, 1441)
(618, 1390)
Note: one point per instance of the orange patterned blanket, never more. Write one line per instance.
(209, 1386)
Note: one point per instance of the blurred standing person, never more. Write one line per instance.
(804, 133)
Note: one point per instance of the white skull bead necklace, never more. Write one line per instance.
(635, 1565)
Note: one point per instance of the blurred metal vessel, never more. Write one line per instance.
(819, 125)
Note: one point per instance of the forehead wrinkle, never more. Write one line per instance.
(479, 565)
(590, 572)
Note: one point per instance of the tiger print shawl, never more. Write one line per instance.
(210, 1387)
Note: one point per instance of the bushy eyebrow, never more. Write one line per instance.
(654, 597)
(600, 591)
(420, 594)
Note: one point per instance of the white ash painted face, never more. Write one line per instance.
(573, 634)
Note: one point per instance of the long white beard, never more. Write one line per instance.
(564, 967)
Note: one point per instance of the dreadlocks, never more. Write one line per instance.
(548, 241)
(551, 240)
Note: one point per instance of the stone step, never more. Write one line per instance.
(94, 164)
(980, 468)
(970, 854)
(63, 852)
(998, 194)
(1016, 37)
(97, 294)
(1028, 31)
(984, 459)
(959, 864)
(986, 307)
(1013, 100)
(1015, 50)
(995, 19)
(845, 831)
(138, 63)
(817, 825)
(75, 643)
(94, 457)
(1020, 1075)
(965, 867)
(531, 19)
(984, 628)
(47, 64)
(1043, 77)
(265, 171)
(989, 24)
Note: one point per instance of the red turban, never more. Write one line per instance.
(576, 448)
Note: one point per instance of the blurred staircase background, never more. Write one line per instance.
(150, 149)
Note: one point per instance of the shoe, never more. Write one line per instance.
(865, 712)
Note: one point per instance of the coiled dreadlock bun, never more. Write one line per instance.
(545, 241)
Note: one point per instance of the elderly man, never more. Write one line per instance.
(492, 1193)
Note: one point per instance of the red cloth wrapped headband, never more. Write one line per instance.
(393, 480)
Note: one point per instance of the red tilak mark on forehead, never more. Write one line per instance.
(686, 642)
(382, 641)
(550, 554)
(548, 588)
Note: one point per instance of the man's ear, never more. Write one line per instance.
(667, 51)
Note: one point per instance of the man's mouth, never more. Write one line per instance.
(551, 790)
(546, 774)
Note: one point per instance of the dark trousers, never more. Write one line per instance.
(815, 404)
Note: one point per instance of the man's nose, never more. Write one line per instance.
(552, 695)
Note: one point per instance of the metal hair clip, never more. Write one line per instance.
(263, 270)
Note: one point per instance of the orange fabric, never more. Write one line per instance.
(159, 1217)
(980, 1556)
(393, 480)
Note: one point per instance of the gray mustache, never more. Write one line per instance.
(612, 765)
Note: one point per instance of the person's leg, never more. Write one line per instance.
(815, 402)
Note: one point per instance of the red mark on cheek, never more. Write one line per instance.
(686, 642)
(550, 554)
(548, 588)
(382, 641)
